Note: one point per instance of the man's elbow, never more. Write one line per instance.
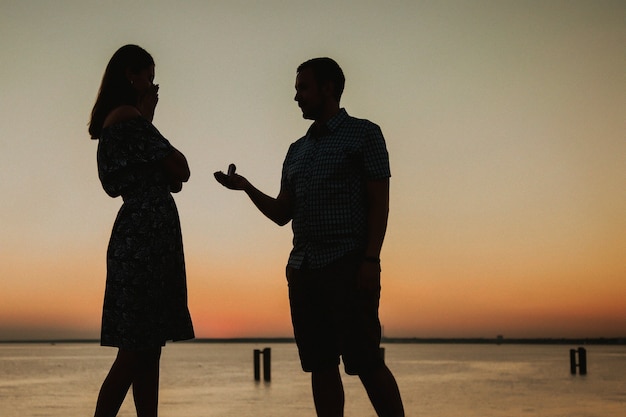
(282, 218)
(281, 222)
(282, 213)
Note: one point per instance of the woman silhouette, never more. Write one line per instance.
(145, 302)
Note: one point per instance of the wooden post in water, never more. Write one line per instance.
(267, 364)
(582, 361)
(572, 361)
(257, 365)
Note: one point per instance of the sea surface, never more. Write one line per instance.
(217, 380)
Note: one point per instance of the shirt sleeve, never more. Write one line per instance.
(375, 155)
(136, 141)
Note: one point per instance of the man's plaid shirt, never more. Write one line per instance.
(326, 174)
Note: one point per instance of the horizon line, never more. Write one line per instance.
(426, 340)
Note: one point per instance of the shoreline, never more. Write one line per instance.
(617, 341)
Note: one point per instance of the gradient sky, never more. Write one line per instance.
(505, 123)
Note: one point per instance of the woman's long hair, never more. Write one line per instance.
(116, 89)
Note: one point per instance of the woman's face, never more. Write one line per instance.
(143, 80)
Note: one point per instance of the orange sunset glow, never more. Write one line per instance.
(504, 123)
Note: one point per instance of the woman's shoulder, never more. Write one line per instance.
(121, 114)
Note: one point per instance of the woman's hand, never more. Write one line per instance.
(148, 101)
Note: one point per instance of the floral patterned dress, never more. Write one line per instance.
(145, 302)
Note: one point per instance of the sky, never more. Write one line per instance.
(504, 121)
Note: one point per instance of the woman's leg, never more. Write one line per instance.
(137, 368)
(146, 384)
(115, 385)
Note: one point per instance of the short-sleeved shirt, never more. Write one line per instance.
(326, 174)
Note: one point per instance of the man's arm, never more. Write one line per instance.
(377, 215)
(278, 209)
(377, 200)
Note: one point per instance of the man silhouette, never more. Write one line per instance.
(335, 191)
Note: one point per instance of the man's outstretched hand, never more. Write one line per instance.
(231, 180)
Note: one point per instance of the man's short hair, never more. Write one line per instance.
(326, 70)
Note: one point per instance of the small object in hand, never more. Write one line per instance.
(231, 169)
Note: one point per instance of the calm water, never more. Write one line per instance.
(216, 380)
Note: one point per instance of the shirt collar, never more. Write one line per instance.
(329, 127)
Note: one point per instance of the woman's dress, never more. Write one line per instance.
(145, 302)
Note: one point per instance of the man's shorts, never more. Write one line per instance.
(332, 317)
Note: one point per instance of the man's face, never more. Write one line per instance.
(309, 95)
